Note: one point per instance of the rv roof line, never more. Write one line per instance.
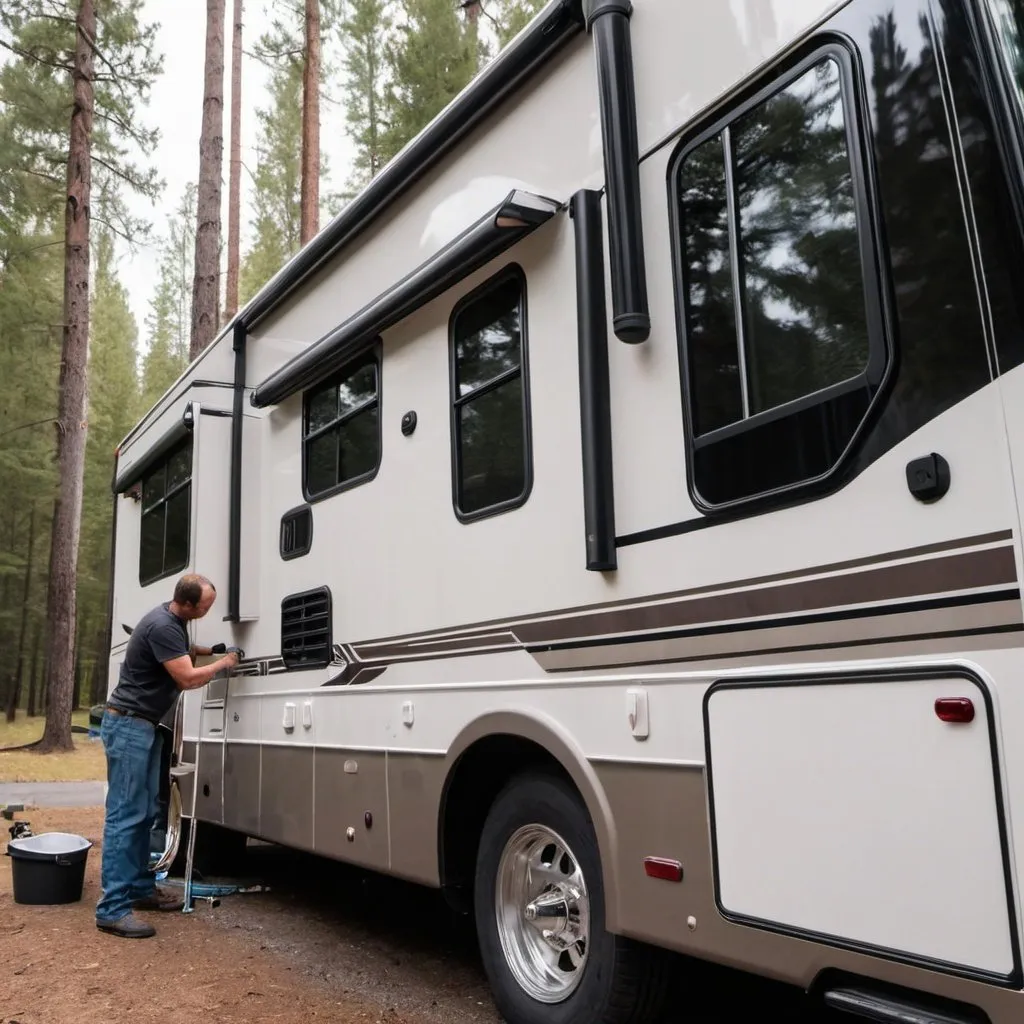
(511, 69)
(512, 219)
(177, 432)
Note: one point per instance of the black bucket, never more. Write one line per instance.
(49, 868)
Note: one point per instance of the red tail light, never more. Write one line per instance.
(954, 709)
(667, 870)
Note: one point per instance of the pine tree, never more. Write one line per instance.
(102, 60)
(113, 401)
(170, 319)
(365, 33)
(433, 58)
(277, 181)
(206, 289)
(309, 202)
(510, 17)
(235, 168)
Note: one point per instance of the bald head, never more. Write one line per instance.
(193, 596)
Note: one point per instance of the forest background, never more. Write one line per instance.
(130, 235)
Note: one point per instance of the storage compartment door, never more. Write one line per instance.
(848, 811)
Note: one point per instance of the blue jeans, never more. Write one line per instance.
(133, 787)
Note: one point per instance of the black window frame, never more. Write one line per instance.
(161, 467)
(879, 372)
(512, 271)
(373, 354)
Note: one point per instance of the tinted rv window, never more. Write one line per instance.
(166, 515)
(341, 429)
(490, 430)
(776, 319)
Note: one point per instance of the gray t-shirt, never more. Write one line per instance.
(144, 685)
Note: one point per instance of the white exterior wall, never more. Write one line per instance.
(394, 554)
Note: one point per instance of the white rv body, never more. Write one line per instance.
(749, 693)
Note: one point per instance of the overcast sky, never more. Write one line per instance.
(176, 107)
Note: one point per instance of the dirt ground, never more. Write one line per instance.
(56, 968)
(325, 941)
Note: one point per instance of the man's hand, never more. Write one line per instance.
(187, 676)
(225, 648)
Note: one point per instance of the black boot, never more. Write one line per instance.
(128, 927)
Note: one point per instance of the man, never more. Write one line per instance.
(157, 666)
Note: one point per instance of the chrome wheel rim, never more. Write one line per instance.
(178, 732)
(174, 818)
(542, 909)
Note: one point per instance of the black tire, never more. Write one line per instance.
(622, 982)
(219, 852)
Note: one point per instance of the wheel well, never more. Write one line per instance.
(476, 779)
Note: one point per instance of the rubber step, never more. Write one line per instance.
(888, 1009)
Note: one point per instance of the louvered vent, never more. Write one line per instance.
(306, 629)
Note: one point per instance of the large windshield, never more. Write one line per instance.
(1008, 19)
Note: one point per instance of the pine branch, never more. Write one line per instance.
(40, 174)
(268, 57)
(124, 233)
(11, 255)
(136, 183)
(136, 135)
(34, 57)
(25, 426)
(115, 77)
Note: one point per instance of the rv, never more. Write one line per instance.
(619, 507)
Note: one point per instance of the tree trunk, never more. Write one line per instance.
(73, 395)
(33, 672)
(77, 694)
(100, 676)
(310, 198)
(235, 170)
(206, 283)
(15, 692)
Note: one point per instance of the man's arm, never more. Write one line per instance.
(187, 677)
(195, 651)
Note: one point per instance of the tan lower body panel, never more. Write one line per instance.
(306, 798)
(350, 806)
(310, 797)
(210, 780)
(286, 795)
(242, 787)
(415, 785)
(661, 811)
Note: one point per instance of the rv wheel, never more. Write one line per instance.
(539, 903)
(218, 851)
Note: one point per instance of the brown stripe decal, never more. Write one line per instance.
(470, 632)
(440, 647)
(967, 571)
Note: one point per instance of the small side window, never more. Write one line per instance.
(491, 462)
(166, 515)
(341, 438)
(783, 340)
(296, 532)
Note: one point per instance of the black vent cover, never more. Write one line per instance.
(296, 532)
(306, 629)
